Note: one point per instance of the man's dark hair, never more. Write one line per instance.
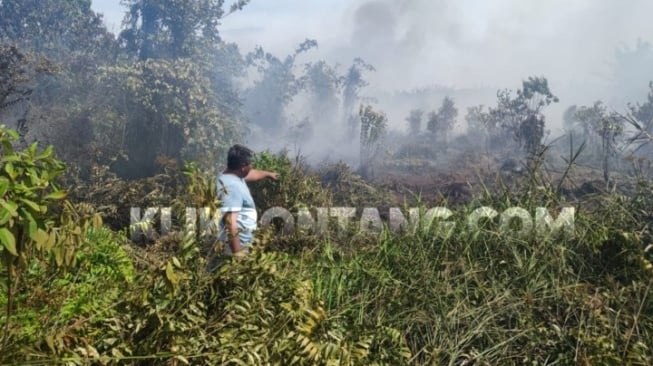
(238, 156)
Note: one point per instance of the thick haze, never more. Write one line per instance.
(460, 44)
(469, 43)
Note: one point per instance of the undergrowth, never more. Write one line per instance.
(413, 297)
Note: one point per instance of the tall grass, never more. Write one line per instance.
(486, 297)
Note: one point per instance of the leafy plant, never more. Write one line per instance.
(30, 225)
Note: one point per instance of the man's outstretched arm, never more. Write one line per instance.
(256, 175)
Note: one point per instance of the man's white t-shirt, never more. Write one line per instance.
(234, 196)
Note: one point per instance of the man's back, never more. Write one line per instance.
(234, 196)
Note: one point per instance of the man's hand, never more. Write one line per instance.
(273, 175)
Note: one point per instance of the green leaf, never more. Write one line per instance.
(4, 217)
(46, 153)
(58, 255)
(32, 148)
(52, 240)
(170, 274)
(13, 134)
(10, 158)
(31, 204)
(31, 226)
(58, 195)
(4, 185)
(9, 168)
(10, 206)
(8, 240)
(40, 237)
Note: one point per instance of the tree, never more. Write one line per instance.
(162, 108)
(442, 122)
(324, 86)
(352, 83)
(64, 42)
(60, 30)
(603, 130)
(172, 28)
(225, 64)
(373, 128)
(414, 120)
(265, 101)
(522, 116)
(480, 125)
(18, 72)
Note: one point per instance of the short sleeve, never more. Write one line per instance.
(231, 199)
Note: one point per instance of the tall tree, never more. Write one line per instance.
(522, 116)
(164, 109)
(61, 30)
(414, 120)
(604, 131)
(352, 83)
(324, 85)
(444, 119)
(172, 28)
(480, 125)
(18, 72)
(267, 98)
(75, 41)
(373, 126)
(441, 123)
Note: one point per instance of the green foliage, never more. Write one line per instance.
(62, 30)
(164, 108)
(26, 192)
(295, 188)
(349, 189)
(173, 29)
(274, 317)
(57, 306)
(200, 188)
(411, 297)
(32, 229)
(415, 297)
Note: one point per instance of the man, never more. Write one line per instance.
(238, 210)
